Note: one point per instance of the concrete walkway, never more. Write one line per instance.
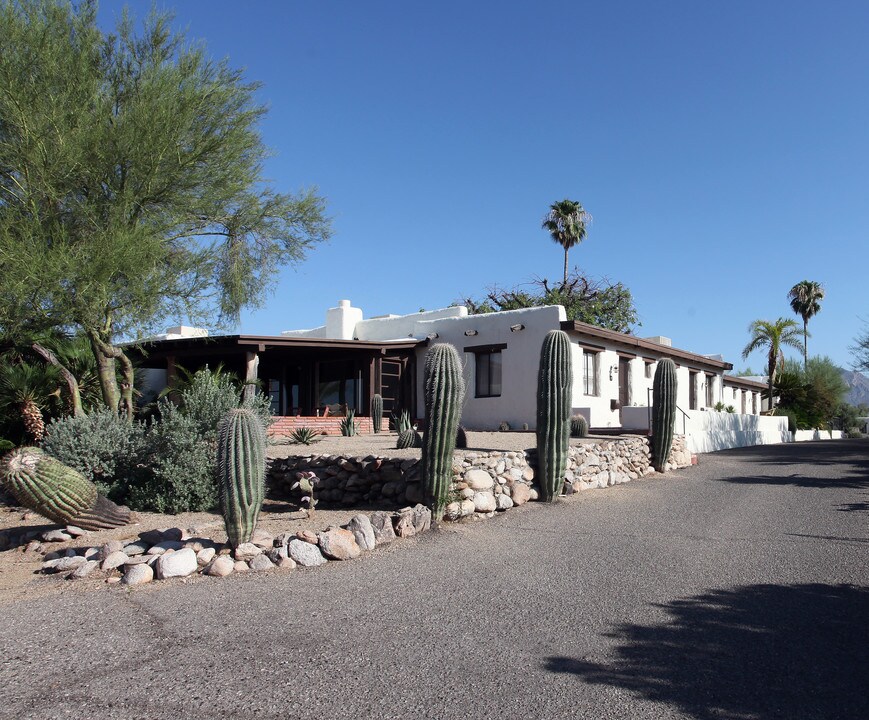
(734, 589)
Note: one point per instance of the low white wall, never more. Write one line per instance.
(709, 430)
(635, 418)
(805, 435)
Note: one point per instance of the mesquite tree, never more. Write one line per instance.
(131, 184)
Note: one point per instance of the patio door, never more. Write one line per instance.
(390, 384)
(624, 381)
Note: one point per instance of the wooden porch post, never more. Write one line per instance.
(250, 376)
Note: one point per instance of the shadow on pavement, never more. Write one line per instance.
(852, 456)
(760, 651)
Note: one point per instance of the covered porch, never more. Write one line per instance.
(309, 381)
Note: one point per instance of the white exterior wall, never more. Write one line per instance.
(709, 431)
(517, 403)
(397, 327)
(596, 408)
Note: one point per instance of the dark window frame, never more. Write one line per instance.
(493, 383)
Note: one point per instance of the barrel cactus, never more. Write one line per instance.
(663, 412)
(578, 426)
(409, 438)
(63, 495)
(443, 390)
(377, 413)
(554, 387)
(241, 469)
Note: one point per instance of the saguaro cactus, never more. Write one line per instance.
(377, 412)
(241, 467)
(443, 389)
(63, 495)
(554, 387)
(663, 412)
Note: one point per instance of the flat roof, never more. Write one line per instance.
(260, 343)
(742, 382)
(641, 347)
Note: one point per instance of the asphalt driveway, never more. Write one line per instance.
(735, 589)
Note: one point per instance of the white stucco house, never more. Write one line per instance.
(320, 372)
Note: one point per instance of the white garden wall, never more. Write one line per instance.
(709, 431)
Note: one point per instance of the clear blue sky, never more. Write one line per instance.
(722, 148)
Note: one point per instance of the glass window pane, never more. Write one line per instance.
(482, 375)
(495, 373)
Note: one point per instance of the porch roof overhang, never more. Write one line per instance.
(262, 343)
(743, 383)
(644, 348)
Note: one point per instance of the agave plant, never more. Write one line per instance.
(349, 427)
(304, 435)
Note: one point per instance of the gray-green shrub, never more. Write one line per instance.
(168, 465)
(105, 448)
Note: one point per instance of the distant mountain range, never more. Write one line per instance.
(858, 387)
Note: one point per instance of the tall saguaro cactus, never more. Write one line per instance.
(554, 388)
(377, 413)
(47, 486)
(663, 412)
(241, 467)
(443, 389)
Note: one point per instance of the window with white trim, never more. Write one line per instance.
(589, 372)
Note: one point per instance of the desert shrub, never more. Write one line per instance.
(167, 465)
(6, 445)
(103, 447)
(178, 465)
(854, 434)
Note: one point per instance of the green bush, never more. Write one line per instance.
(103, 447)
(179, 465)
(6, 445)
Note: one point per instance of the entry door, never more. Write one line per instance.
(692, 391)
(624, 382)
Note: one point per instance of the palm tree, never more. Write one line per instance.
(772, 335)
(805, 300)
(28, 391)
(566, 221)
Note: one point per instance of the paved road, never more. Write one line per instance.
(736, 589)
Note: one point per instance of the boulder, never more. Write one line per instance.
(381, 523)
(221, 566)
(478, 479)
(305, 554)
(363, 531)
(177, 564)
(261, 562)
(484, 502)
(139, 574)
(247, 551)
(339, 544)
(520, 493)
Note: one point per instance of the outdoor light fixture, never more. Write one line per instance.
(470, 333)
(614, 370)
(432, 336)
(517, 327)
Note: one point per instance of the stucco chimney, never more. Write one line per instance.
(341, 321)
(660, 340)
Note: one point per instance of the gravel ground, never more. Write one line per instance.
(383, 444)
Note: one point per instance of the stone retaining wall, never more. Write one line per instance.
(483, 482)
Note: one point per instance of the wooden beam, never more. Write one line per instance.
(250, 375)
